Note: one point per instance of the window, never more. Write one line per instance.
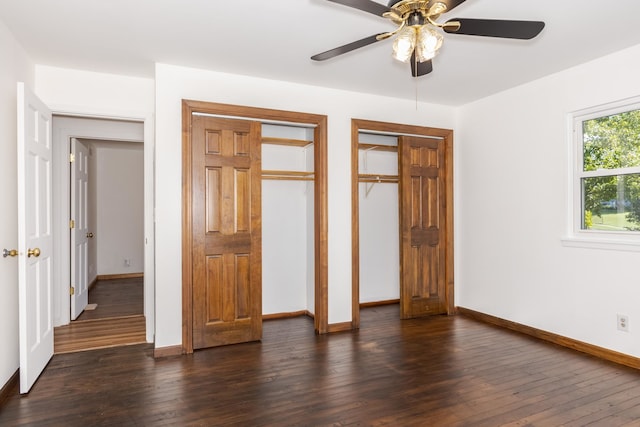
(606, 183)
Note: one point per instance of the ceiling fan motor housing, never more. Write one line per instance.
(415, 19)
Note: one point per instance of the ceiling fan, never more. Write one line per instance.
(418, 38)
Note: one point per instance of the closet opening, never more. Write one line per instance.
(288, 239)
(378, 218)
(402, 215)
(287, 265)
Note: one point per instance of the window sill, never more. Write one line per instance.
(628, 244)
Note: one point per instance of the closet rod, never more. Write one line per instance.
(377, 178)
(288, 178)
(288, 175)
(287, 172)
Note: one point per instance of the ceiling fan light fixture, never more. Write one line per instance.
(404, 44)
(428, 43)
(419, 31)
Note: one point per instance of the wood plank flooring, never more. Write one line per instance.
(439, 371)
(99, 333)
(117, 320)
(115, 298)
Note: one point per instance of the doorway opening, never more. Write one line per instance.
(100, 171)
(107, 207)
(402, 216)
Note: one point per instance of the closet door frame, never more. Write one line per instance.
(189, 107)
(359, 125)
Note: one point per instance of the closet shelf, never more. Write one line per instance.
(286, 141)
(288, 175)
(375, 147)
(377, 178)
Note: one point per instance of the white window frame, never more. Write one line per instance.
(597, 239)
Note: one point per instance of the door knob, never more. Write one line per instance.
(35, 252)
(7, 252)
(89, 235)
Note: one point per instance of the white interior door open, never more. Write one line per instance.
(80, 227)
(35, 239)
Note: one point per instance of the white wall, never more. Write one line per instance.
(513, 174)
(120, 209)
(95, 94)
(379, 242)
(284, 246)
(15, 67)
(176, 83)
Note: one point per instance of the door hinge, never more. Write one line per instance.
(72, 290)
(72, 157)
(72, 224)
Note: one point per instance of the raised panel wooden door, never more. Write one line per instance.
(422, 216)
(226, 224)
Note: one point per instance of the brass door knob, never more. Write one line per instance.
(35, 252)
(89, 235)
(7, 252)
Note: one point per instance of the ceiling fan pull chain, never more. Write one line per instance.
(416, 83)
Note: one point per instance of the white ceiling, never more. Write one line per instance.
(274, 39)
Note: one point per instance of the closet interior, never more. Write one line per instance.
(288, 259)
(379, 240)
(402, 216)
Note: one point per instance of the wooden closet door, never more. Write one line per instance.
(422, 215)
(226, 216)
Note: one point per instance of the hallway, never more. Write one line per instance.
(116, 320)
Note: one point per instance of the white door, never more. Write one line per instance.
(35, 241)
(80, 227)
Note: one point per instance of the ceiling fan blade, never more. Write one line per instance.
(364, 5)
(523, 30)
(420, 68)
(346, 48)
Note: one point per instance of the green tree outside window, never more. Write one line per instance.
(611, 150)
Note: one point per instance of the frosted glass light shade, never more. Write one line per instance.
(404, 44)
(429, 41)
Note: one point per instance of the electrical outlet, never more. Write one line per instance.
(623, 323)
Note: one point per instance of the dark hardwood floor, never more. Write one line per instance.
(117, 320)
(115, 298)
(439, 371)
